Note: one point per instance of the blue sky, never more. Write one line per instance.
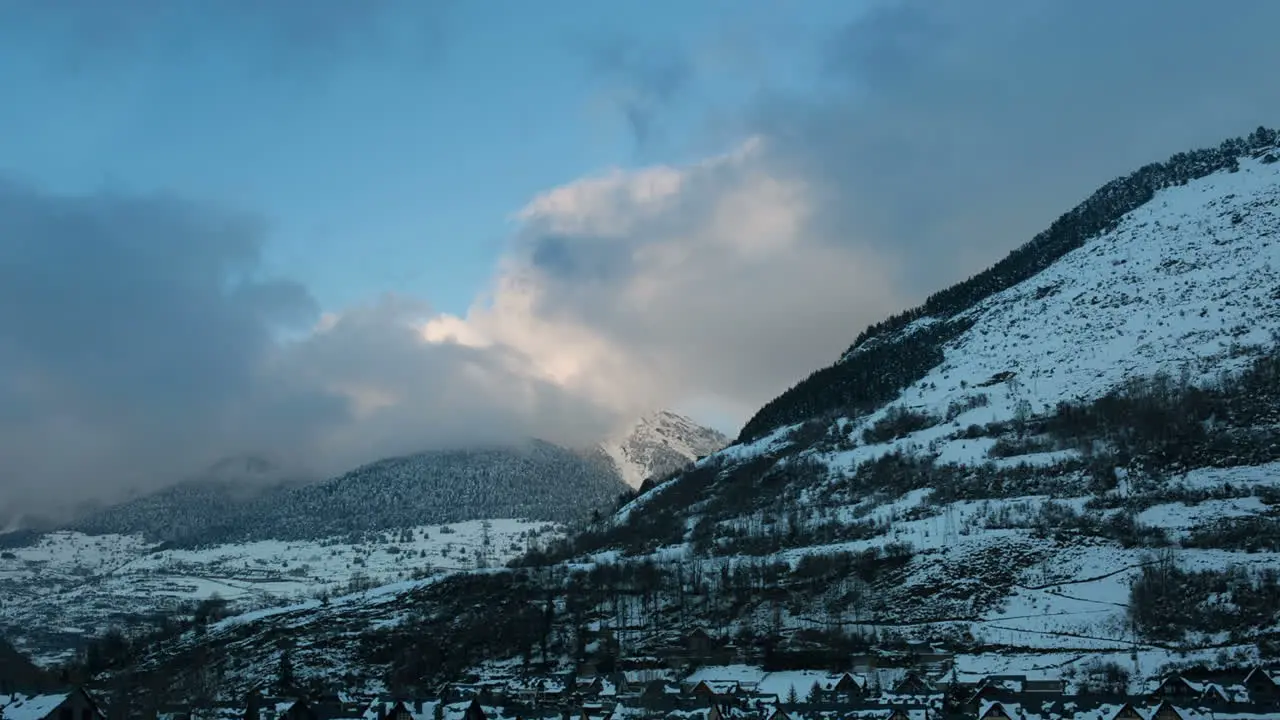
(387, 154)
(720, 195)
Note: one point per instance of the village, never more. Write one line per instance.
(1251, 695)
(928, 687)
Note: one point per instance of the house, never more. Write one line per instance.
(398, 710)
(720, 711)
(713, 691)
(1215, 694)
(1178, 687)
(1044, 685)
(320, 708)
(596, 711)
(779, 714)
(74, 705)
(660, 695)
(525, 691)
(341, 709)
(637, 675)
(700, 645)
(1260, 685)
(995, 711)
(913, 684)
(1127, 712)
(997, 687)
(843, 686)
(1166, 711)
(299, 710)
(590, 686)
(458, 692)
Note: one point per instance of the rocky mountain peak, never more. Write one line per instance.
(660, 443)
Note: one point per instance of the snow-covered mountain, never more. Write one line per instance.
(659, 444)
(1070, 461)
(253, 498)
(257, 534)
(201, 508)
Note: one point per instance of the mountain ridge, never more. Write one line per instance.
(659, 444)
(853, 381)
(249, 498)
(1074, 460)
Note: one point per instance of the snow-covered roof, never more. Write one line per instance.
(381, 708)
(1084, 710)
(1230, 693)
(1260, 672)
(30, 707)
(720, 687)
(753, 679)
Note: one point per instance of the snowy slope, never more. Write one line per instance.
(109, 568)
(659, 444)
(68, 585)
(951, 511)
(1185, 283)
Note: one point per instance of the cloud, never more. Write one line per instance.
(702, 284)
(940, 137)
(640, 82)
(280, 38)
(138, 338)
(139, 342)
(131, 331)
(950, 133)
(408, 393)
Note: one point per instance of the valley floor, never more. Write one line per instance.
(69, 586)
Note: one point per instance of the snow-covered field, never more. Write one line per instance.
(68, 585)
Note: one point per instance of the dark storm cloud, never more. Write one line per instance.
(132, 337)
(962, 129)
(139, 344)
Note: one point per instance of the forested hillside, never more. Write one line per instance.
(250, 498)
(536, 481)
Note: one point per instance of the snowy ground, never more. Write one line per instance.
(1184, 284)
(68, 585)
(1072, 604)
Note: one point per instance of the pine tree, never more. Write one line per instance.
(955, 695)
(285, 681)
(815, 693)
(792, 697)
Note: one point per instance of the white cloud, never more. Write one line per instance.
(700, 286)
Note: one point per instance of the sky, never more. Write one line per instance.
(326, 231)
